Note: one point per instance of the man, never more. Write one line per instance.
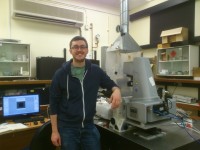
(73, 95)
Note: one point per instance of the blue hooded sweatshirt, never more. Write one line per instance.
(74, 101)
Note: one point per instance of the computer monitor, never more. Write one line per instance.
(19, 105)
(44, 71)
(93, 61)
(43, 93)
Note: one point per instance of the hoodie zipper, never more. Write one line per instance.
(83, 100)
(67, 87)
(83, 103)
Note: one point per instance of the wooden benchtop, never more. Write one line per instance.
(23, 82)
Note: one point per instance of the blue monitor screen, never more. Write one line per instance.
(20, 105)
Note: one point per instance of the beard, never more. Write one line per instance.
(79, 60)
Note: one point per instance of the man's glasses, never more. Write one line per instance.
(76, 47)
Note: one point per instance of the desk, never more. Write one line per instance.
(23, 84)
(175, 138)
(18, 139)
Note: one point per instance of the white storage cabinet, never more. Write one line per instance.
(14, 60)
(177, 61)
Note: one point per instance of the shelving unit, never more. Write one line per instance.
(184, 83)
(14, 60)
(177, 61)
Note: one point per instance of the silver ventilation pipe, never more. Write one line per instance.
(125, 43)
(124, 17)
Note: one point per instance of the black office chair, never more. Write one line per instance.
(42, 138)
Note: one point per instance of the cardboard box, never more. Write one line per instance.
(165, 45)
(163, 56)
(196, 73)
(174, 35)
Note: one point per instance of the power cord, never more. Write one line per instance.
(183, 124)
(48, 109)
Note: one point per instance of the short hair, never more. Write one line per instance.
(77, 38)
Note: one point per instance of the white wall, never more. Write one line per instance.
(4, 19)
(50, 40)
(197, 18)
(140, 30)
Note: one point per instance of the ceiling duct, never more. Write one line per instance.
(125, 43)
(44, 12)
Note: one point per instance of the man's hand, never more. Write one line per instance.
(115, 98)
(55, 138)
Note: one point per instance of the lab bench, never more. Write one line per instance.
(175, 138)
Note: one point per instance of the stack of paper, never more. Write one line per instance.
(11, 127)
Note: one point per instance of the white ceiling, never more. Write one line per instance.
(115, 3)
(136, 3)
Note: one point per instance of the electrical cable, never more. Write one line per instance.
(195, 129)
(174, 90)
(182, 114)
(48, 112)
(181, 119)
(196, 140)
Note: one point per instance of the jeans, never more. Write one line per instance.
(87, 138)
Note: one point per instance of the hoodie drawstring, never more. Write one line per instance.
(67, 87)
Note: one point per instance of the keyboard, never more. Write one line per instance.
(30, 119)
